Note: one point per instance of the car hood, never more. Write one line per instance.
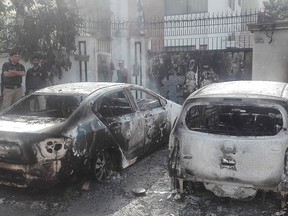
(29, 124)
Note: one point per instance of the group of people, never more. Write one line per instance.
(106, 71)
(11, 78)
(36, 78)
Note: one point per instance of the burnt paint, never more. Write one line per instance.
(157, 129)
(127, 131)
(88, 136)
(25, 142)
(228, 152)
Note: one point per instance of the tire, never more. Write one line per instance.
(102, 166)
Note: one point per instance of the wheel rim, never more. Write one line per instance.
(103, 166)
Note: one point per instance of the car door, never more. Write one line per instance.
(123, 121)
(156, 118)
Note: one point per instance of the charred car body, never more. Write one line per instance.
(233, 138)
(99, 127)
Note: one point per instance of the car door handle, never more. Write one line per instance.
(114, 124)
(228, 162)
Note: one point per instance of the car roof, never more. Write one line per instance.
(79, 88)
(243, 89)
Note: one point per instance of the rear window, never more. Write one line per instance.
(59, 106)
(234, 120)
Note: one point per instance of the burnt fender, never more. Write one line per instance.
(174, 160)
(284, 179)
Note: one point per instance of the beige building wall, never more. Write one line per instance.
(270, 53)
(251, 5)
(152, 8)
(94, 8)
(133, 46)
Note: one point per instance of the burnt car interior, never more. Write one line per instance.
(145, 101)
(234, 120)
(114, 104)
(55, 106)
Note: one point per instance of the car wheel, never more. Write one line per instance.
(102, 166)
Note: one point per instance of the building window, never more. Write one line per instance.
(203, 47)
(180, 48)
(179, 7)
(232, 37)
(192, 48)
(231, 4)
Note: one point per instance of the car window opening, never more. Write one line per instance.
(145, 101)
(234, 120)
(47, 106)
(115, 104)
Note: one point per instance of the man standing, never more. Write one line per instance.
(122, 73)
(12, 73)
(36, 78)
(106, 69)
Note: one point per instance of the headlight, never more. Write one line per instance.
(54, 148)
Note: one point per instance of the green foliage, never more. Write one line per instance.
(276, 9)
(44, 27)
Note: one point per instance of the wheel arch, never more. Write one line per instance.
(117, 157)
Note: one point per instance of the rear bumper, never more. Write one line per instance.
(235, 190)
(22, 176)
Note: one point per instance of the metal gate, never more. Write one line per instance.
(178, 54)
(190, 51)
(175, 75)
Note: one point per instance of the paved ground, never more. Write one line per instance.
(116, 198)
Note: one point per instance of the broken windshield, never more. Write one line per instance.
(59, 106)
(234, 120)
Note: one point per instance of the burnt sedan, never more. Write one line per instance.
(93, 126)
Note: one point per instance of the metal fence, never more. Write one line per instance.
(180, 32)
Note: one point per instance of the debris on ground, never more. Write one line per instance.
(86, 185)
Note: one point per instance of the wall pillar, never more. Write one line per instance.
(270, 51)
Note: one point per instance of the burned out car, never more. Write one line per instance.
(233, 138)
(92, 126)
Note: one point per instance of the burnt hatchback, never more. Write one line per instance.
(58, 131)
(233, 138)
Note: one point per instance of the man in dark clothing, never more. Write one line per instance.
(122, 73)
(106, 70)
(36, 78)
(11, 80)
